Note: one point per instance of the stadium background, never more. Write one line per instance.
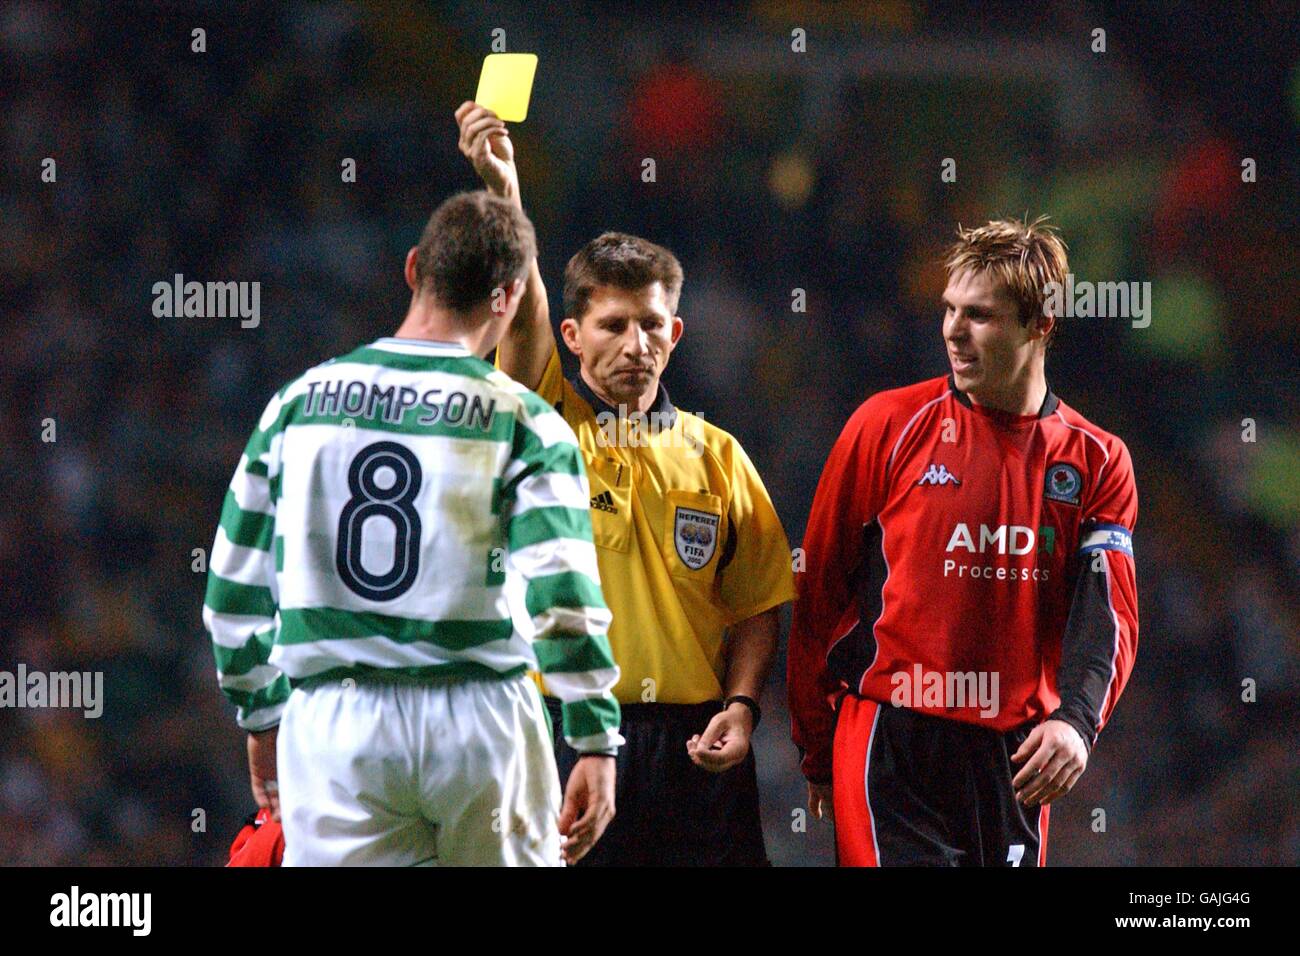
(775, 171)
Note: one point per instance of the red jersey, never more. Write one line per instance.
(966, 562)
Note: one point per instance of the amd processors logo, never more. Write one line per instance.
(1005, 539)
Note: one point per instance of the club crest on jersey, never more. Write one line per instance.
(1062, 483)
(939, 475)
(695, 533)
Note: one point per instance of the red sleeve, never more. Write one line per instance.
(849, 495)
(1101, 633)
(259, 843)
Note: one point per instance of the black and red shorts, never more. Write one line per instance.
(912, 789)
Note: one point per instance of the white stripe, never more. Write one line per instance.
(551, 489)
(233, 631)
(273, 409)
(866, 792)
(263, 675)
(1100, 444)
(392, 343)
(581, 685)
(239, 564)
(1042, 850)
(252, 492)
(555, 557)
(597, 742)
(262, 719)
(908, 427)
(1114, 656)
(572, 620)
(550, 427)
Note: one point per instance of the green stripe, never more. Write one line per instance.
(590, 716)
(465, 365)
(304, 625)
(241, 660)
(277, 692)
(546, 524)
(259, 443)
(566, 589)
(560, 458)
(457, 670)
(248, 529)
(231, 597)
(573, 653)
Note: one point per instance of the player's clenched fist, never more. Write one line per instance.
(485, 142)
(588, 806)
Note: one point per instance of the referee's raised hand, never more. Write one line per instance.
(485, 142)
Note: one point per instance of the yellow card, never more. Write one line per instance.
(506, 83)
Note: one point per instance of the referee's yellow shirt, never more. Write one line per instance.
(688, 542)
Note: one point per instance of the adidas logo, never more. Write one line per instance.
(938, 475)
(604, 502)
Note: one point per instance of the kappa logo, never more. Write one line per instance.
(938, 475)
(604, 502)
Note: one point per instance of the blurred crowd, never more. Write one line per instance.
(779, 183)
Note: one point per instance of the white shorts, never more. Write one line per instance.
(381, 773)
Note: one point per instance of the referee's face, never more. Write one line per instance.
(990, 351)
(623, 342)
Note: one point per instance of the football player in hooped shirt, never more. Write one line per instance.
(967, 618)
(693, 559)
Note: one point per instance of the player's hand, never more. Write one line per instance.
(1056, 759)
(820, 803)
(485, 142)
(261, 770)
(588, 806)
(725, 742)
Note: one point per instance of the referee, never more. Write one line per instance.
(693, 559)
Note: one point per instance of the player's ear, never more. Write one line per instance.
(507, 304)
(569, 332)
(677, 328)
(409, 271)
(1044, 323)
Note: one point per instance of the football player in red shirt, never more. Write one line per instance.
(967, 616)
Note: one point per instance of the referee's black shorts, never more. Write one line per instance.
(668, 811)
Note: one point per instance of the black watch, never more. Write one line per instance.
(748, 702)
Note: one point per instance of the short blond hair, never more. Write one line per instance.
(1023, 256)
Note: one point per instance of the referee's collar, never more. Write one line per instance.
(1050, 401)
(663, 407)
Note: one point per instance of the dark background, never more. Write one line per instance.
(775, 171)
